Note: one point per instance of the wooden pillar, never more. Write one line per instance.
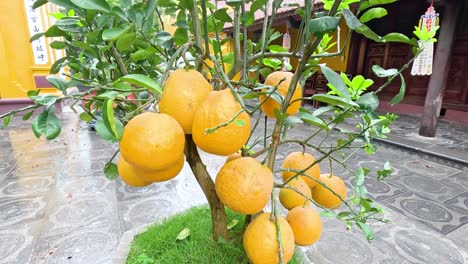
(435, 91)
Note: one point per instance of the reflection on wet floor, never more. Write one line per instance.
(56, 206)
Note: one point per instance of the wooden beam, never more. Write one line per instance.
(436, 87)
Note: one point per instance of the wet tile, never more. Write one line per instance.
(187, 188)
(22, 210)
(427, 168)
(69, 186)
(460, 238)
(427, 187)
(135, 213)
(380, 190)
(416, 244)
(438, 216)
(459, 203)
(460, 179)
(85, 168)
(126, 192)
(17, 243)
(24, 186)
(74, 212)
(90, 244)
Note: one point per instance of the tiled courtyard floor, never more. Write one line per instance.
(56, 206)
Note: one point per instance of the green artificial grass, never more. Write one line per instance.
(159, 244)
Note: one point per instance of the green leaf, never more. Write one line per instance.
(328, 214)
(222, 15)
(100, 5)
(354, 24)
(143, 81)
(323, 110)
(232, 224)
(183, 234)
(125, 42)
(334, 100)
(55, 31)
(39, 3)
(150, 7)
(109, 118)
(323, 25)
(335, 80)
(360, 177)
(277, 48)
(398, 37)
(140, 55)
(46, 123)
(55, 68)
(104, 133)
(58, 83)
(86, 117)
(167, 3)
(381, 72)
(114, 33)
(256, 5)
(370, 3)
(111, 171)
(369, 102)
(164, 39)
(180, 36)
(399, 97)
(27, 115)
(64, 3)
(36, 36)
(272, 62)
(373, 13)
(6, 120)
(45, 100)
(313, 120)
(187, 4)
(368, 232)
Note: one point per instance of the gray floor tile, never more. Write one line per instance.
(459, 203)
(427, 168)
(17, 243)
(22, 210)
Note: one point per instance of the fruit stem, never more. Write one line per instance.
(218, 215)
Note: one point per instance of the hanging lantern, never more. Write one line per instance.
(422, 65)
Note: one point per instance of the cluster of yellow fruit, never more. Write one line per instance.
(152, 148)
(152, 144)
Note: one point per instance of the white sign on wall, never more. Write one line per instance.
(35, 25)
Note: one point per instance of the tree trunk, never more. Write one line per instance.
(435, 91)
(218, 215)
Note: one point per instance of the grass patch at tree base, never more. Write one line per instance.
(159, 243)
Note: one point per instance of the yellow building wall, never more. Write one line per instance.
(18, 63)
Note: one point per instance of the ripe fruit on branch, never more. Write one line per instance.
(260, 240)
(270, 104)
(161, 175)
(217, 109)
(306, 225)
(325, 197)
(184, 90)
(289, 198)
(299, 161)
(128, 175)
(244, 185)
(152, 141)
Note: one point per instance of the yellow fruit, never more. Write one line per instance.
(300, 161)
(184, 91)
(128, 175)
(152, 141)
(273, 79)
(260, 240)
(244, 185)
(325, 197)
(306, 225)
(290, 198)
(218, 108)
(161, 175)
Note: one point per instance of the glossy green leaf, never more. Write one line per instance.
(64, 3)
(125, 42)
(222, 15)
(114, 33)
(46, 123)
(323, 25)
(401, 94)
(313, 120)
(356, 25)
(150, 7)
(140, 55)
(143, 81)
(368, 232)
(100, 5)
(368, 102)
(27, 115)
(328, 214)
(370, 3)
(373, 13)
(381, 72)
(167, 3)
(398, 37)
(277, 48)
(257, 4)
(183, 234)
(45, 100)
(181, 36)
(232, 224)
(39, 3)
(164, 39)
(86, 117)
(6, 120)
(335, 80)
(109, 118)
(111, 171)
(58, 82)
(334, 100)
(36, 36)
(104, 133)
(57, 65)
(323, 110)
